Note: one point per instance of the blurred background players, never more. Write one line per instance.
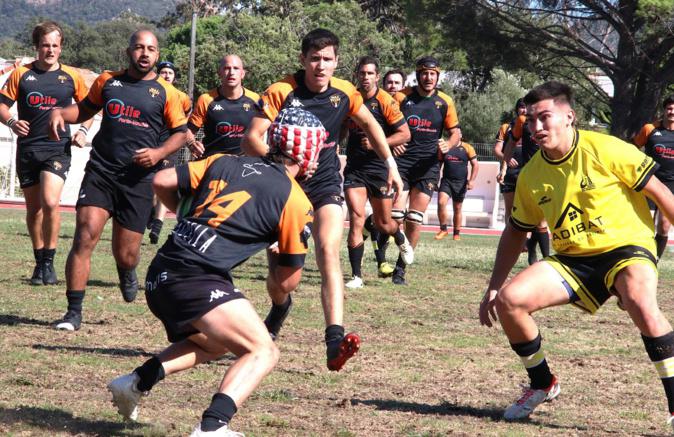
(224, 112)
(126, 153)
(189, 285)
(365, 174)
(657, 141)
(454, 183)
(168, 72)
(508, 172)
(42, 163)
(428, 112)
(332, 100)
(394, 81)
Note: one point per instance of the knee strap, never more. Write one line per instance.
(414, 216)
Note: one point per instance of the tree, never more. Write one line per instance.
(630, 41)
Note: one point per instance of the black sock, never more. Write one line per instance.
(39, 255)
(400, 264)
(356, 258)
(661, 352)
(222, 409)
(531, 248)
(661, 244)
(334, 333)
(150, 373)
(48, 256)
(399, 237)
(457, 231)
(534, 361)
(75, 299)
(380, 251)
(443, 227)
(543, 242)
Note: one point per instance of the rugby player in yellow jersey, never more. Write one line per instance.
(590, 187)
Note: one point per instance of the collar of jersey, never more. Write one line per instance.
(568, 154)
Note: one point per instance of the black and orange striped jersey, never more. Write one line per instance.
(590, 197)
(502, 135)
(36, 93)
(332, 107)
(224, 120)
(456, 160)
(134, 112)
(520, 133)
(239, 205)
(427, 117)
(658, 143)
(387, 113)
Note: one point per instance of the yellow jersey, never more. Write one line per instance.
(590, 197)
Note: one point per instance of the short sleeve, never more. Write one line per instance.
(81, 89)
(95, 96)
(451, 119)
(186, 102)
(525, 214)
(191, 174)
(629, 164)
(294, 228)
(502, 133)
(470, 151)
(10, 90)
(642, 137)
(174, 116)
(272, 99)
(198, 116)
(518, 127)
(391, 110)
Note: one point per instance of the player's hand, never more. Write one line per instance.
(56, 124)
(21, 128)
(487, 310)
(197, 148)
(470, 185)
(365, 143)
(79, 139)
(399, 149)
(394, 182)
(512, 163)
(147, 157)
(443, 145)
(500, 177)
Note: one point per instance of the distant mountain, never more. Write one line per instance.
(16, 13)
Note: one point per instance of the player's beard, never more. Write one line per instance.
(142, 70)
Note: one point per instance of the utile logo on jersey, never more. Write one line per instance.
(415, 122)
(36, 100)
(117, 109)
(226, 129)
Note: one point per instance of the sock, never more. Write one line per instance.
(443, 227)
(661, 244)
(75, 299)
(150, 373)
(380, 251)
(543, 242)
(400, 264)
(661, 352)
(277, 315)
(457, 231)
(356, 258)
(399, 237)
(222, 409)
(48, 256)
(39, 255)
(533, 358)
(334, 333)
(531, 248)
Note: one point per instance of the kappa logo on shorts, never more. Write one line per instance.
(217, 294)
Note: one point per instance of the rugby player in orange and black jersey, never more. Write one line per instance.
(224, 120)
(42, 164)
(136, 105)
(657, 141)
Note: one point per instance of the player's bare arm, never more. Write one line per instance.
(19, 127)
(148, 157)
(165, 186)
(661, 195)
(71, 114)
(79, 139)
(253, 143)
(453, 140)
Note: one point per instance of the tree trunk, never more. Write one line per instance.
(635, 100)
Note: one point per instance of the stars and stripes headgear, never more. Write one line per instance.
(299, 135)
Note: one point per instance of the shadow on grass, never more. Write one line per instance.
(117, 352)
(56, 419)
(104, 284)
(449, 409)
(13, 320)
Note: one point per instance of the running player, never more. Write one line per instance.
(137, 104)
(520, 133)
(657, 139)
(429, 112)
(454, 183)
(365, 174)
(168, 72)
(591, 186)
(239, 205)
(224, 112)
(394, 81)
(510, 170)
(332, 100)
(43, 164)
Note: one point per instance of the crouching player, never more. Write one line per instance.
(589, 187)
(239, 206)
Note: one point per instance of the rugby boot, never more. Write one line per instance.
(406, 251)
(223, 431)
(48, 273)
(441, 234)
(128, 284)
(530, 399)
(385, 270)
(155, 230)
(340, 350)
(276, 317)
(71, 321)
(355, 282)
(399, 276)
(36, 279)
(457, 237)
(125, 395)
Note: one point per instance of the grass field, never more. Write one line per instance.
(426, 367)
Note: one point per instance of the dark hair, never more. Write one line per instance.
(43, 29)
(557, 91)
(368, 60)
(395, 71)
(668, 101)
(318, 39)
(520, 104)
